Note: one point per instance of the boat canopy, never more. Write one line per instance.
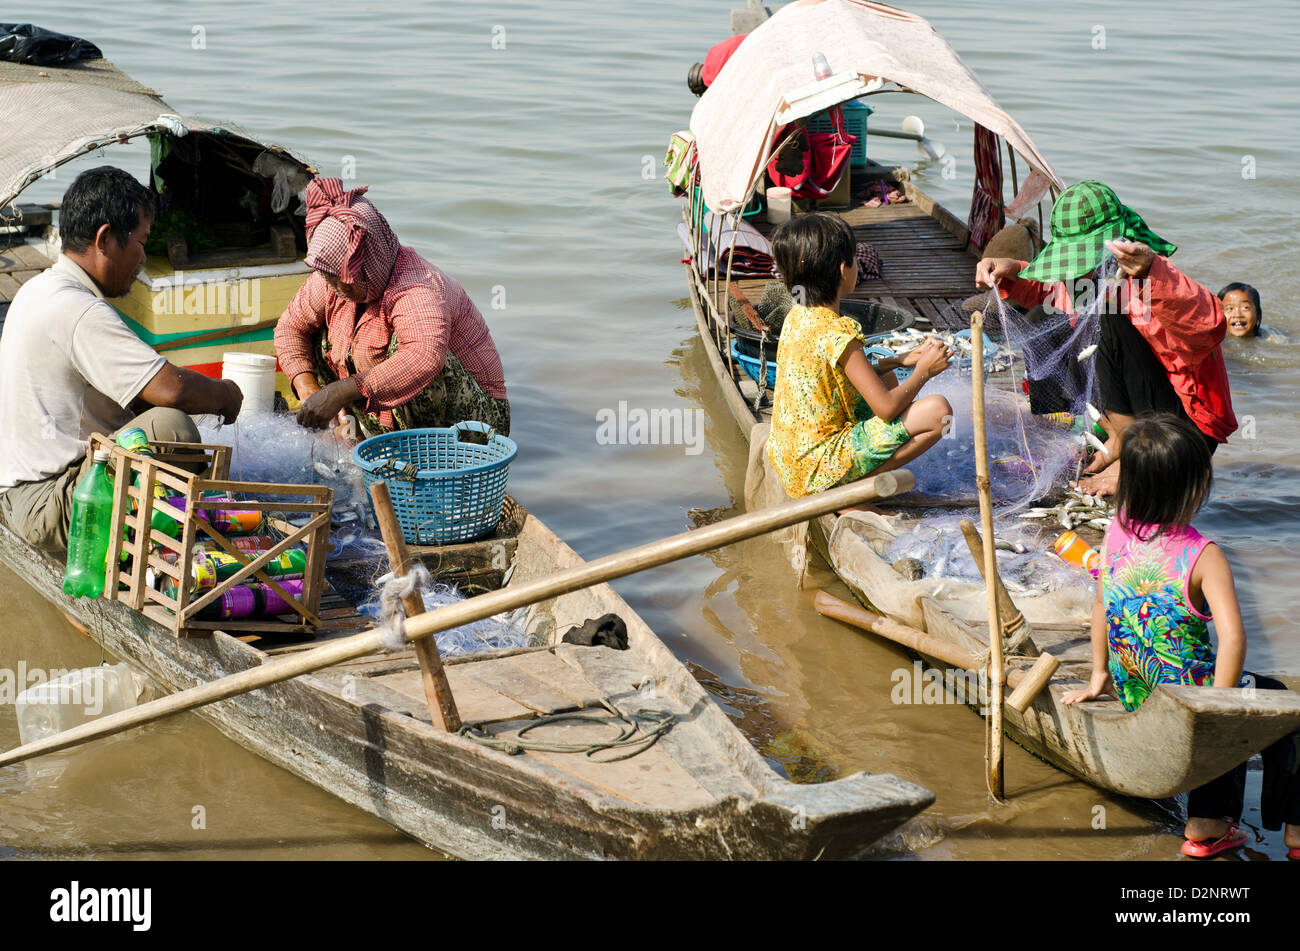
(53, 114)
(867, 45)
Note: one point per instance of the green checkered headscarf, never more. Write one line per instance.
(1084, 218)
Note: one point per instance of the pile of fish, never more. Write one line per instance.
(996, 359)
(1077, 509)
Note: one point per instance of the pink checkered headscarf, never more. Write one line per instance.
(348, 237)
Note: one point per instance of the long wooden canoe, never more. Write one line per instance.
(1181, 737)
(362, 730)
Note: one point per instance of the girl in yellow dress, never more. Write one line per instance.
(836, 418)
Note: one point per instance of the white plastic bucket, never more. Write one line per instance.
(254, 373)
(778, 205)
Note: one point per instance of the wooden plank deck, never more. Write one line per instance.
(18, 265)
(925, 269)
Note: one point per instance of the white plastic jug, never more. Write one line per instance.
(75, 698)
(255, 375)
(72, 699)
(778, 205)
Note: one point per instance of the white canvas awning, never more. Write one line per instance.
(737, 118)
(51, 115)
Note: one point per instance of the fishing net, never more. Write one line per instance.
(1040, 405)
(1040, 410)
(272, 447)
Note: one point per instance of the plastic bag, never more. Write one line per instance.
(36, 46)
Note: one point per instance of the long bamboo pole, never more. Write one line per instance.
(437, 691)
(985, 487)
(618, 565)
(1027, 683)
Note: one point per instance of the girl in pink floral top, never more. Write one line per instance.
(1161, 582)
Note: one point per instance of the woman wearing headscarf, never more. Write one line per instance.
(378, 331)
(1160, 352)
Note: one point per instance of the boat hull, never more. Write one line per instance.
(376, 750)
(1181, 738)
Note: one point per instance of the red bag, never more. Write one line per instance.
(823, 161)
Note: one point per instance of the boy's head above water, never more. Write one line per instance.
(1241, 307)
(1165, 473)
(816, 253)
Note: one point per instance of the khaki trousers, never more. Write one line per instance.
(40, 512)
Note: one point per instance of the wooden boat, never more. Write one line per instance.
(362, 730)
(227, 272)
(1182, 736)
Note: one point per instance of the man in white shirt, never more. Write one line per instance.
(70, 367)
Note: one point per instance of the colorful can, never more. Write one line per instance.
(250, 600)
(287, 564)
(202, 571)
(1075, 550)
(226, 521)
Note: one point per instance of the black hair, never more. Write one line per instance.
(1254, 300)
(99, 196)
(809, 252)
(1165, 474)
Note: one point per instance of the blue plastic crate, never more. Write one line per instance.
(443, 489)
(855, 123)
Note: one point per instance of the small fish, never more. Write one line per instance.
(1086, 352)
(1097, 444)
(1092, 411)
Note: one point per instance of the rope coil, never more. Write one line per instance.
(632, 737)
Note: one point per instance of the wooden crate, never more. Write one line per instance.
(282, 503)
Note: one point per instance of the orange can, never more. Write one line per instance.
(1075, 550)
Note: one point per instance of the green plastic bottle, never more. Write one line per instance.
(92, 522)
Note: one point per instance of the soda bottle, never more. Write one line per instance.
(92, 522)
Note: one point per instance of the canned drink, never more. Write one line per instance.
(202, 570)
(287, 564)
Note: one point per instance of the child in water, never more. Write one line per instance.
(1160, 584)
(1245, 315)
(835, 418)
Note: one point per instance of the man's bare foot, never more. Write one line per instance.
(1105, 482)
(1292, 836)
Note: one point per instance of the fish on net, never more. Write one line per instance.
(1039, 414)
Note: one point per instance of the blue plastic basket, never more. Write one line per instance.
(752, 368)
(444, 490)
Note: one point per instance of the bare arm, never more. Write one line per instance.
(931, 359)
(1212, 580)
(193, 393)
(1099, 638)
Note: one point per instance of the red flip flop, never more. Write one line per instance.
(1208, 848)
(1294, 853)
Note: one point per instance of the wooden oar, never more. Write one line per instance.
(442, 705)
(1027, 683)
(618, 565)
(985, 487)
(1012, 617)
